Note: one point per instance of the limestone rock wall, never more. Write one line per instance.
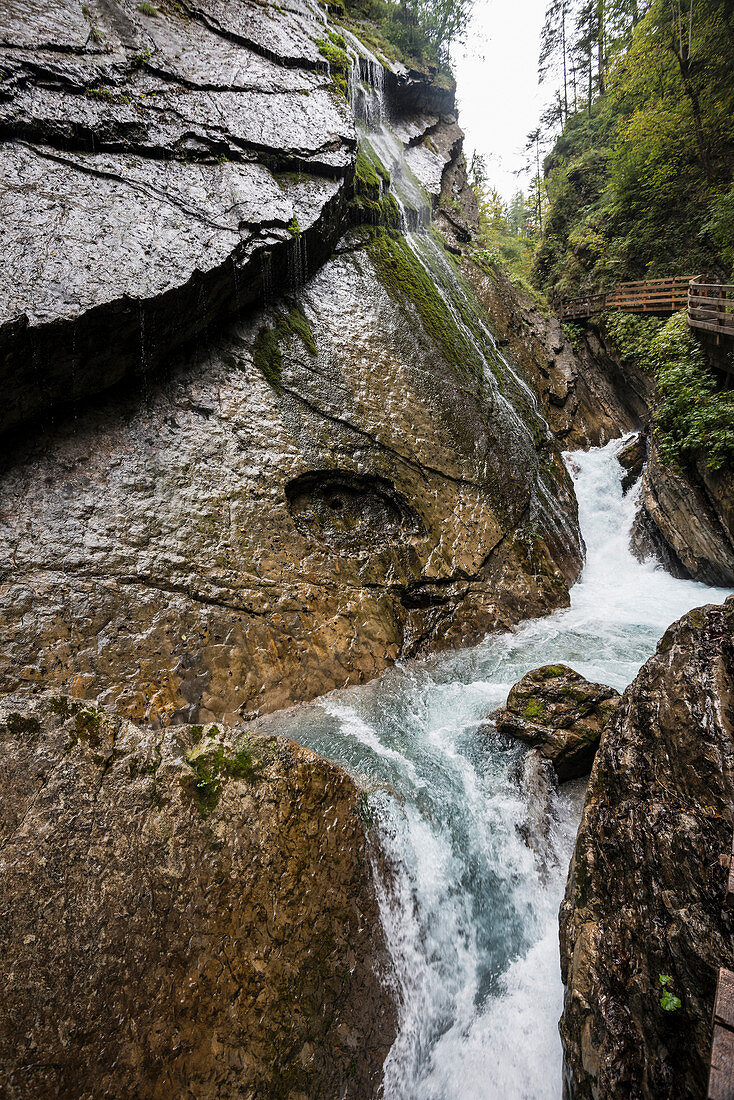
(588, 396)
(647, 882)
(188, 913)
(687, 520)
(160, 165)
(341, 473)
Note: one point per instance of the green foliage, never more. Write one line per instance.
(668, 1001)
(147, 9)
(335, 51)
(508, 233)
(420, 31)
(639, 182)
(266, 351)
(692, 418)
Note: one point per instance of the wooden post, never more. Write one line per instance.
(721, 1074)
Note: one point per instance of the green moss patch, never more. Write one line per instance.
(334, 49)
(211, 766)
(405, 278)
(372, 203)
(266, 352)
(533, 709)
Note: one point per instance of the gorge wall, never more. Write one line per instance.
(291, 498)
(647, 884)
(185, 913)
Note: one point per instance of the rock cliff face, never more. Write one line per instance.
(184, 913)
(588, 395)
(688, 521)
(305, 493)
(647, 882)
(158, 166)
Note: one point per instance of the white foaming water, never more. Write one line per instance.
(471, 914)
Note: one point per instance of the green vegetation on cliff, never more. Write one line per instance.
(692, 419)
(639, 182)
(266, 351)
(418, 32)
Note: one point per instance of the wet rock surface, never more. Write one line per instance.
(318, 493)
(632, 459)
(156, 169)
(184, 913)
(301, 496)
(587, 394)
(647, 883)
(687, 521)
(560, 713)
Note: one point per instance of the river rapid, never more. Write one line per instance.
(471, 911)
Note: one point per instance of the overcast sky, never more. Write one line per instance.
(499, 99)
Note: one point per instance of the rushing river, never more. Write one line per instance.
(472, 916)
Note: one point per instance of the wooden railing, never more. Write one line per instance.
(644, 296)
(651, 295)
(711, 306)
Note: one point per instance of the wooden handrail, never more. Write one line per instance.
(710, 306)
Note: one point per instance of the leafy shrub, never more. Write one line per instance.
(692, 418)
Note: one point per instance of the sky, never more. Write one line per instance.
(499, 99)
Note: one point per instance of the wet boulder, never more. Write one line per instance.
(632, 459)
(559, 712)
(184, 913)
(644, 913)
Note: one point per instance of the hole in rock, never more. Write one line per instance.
(351, 511)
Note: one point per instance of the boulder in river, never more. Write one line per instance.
(559, 712)
(644, 908)
(184, 913)
(632, 459)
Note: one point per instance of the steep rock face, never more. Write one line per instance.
(647, 882)
(307, 492)
(559, 712)
(588, 396)
(159, 166)
(688, 520)
(188, 913)
(632, 459)
(328, 487)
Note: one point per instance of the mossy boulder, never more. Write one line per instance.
(559, 712)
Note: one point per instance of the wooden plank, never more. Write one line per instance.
(721, 1074)
(712, 303)
(724, 1001)
(708, 326)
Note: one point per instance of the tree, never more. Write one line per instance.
(554, 45)
(676, 18)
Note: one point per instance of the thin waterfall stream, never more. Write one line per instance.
(470, 910)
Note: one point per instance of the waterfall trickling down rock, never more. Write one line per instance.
(378, 134)
(471, 911)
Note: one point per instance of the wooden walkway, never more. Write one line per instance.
(721, 1068)
(710, 306)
